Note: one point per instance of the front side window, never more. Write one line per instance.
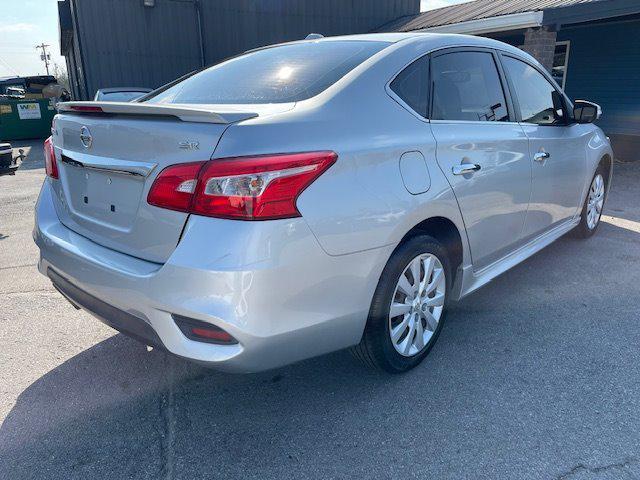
(466, 86)
(540, 102)
(412, 85)
(281, 74)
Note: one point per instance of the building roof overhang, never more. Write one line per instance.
(516, 15)
(501, 23)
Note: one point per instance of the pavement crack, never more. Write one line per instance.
(19, 266)
(34, 290)
(581, 468)
(167, 428)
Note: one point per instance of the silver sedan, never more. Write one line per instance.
(316, 195)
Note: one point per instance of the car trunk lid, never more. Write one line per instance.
(109, 158)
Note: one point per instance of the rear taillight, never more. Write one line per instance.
(248, 188)
(50, 164)
(174, 187)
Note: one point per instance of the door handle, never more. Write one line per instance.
(541, 156)
(465, 168)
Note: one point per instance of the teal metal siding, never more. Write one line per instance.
(123, 43)
(604, 67)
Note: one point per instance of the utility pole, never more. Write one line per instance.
(44, 56)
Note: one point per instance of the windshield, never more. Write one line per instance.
(286, 73)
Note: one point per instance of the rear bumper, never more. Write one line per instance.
(268, 284)
(122, 321)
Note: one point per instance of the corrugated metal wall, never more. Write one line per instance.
(236, 25)
(124, 43)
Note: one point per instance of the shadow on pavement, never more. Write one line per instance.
(123, 411)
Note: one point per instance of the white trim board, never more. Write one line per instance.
(500, 23)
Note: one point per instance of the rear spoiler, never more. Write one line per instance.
(186, 113)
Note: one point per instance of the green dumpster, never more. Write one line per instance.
(21, 118)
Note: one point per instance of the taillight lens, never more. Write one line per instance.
(174, 187)
(248, 188)
(50, 164)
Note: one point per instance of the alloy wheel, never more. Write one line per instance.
(595, 201)
(417, 304)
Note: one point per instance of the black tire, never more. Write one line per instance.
(583, 230)
(376, 349)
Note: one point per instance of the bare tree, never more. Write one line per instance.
(61, 75)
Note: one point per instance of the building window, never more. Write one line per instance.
(560, 63)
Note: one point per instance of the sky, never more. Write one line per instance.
(23, 25)
(433, 4)
(27, 23)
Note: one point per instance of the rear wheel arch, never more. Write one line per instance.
(446, 233)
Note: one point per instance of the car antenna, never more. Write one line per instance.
(314, 36)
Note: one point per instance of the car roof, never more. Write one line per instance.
(390, 37)
(438, 40)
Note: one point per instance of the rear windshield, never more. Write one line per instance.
(119, 96)
(287, 73)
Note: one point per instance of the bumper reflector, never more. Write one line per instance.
(200, 331)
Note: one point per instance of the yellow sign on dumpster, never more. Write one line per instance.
(5, 109)
(29, 111)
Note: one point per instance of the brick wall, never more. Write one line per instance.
(541, 44)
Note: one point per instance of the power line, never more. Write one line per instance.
(44, 56)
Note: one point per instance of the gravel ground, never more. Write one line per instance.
(536, 376)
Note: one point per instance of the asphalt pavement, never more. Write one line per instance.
(535, 376)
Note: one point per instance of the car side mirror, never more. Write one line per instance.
(586, 112)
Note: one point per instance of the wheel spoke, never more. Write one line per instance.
(399, 309)
(405, 287)
(419, 341)
(437, 275)
(405, 346)
(415, 272)
(436, 301)
(398, 330)
(429, 264)
(432, 323)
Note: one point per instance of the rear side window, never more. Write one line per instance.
(466, 86)
(412, 85)
(540, 102)
(286, 73)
